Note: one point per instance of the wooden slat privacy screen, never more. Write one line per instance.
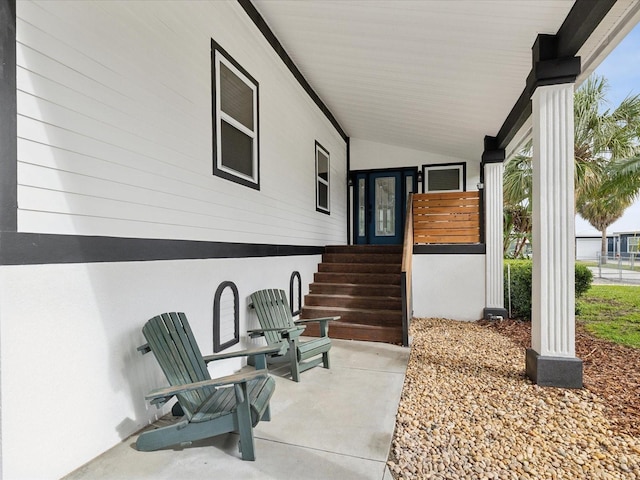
(451, 217)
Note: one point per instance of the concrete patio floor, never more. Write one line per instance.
(334, 424)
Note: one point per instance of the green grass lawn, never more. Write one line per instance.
(612, 312)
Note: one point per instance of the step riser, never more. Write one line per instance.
(364, 249)
(382, 303)
(361, 258)
(382, 318)
(357, 290)
(359, 268)
(358, 278)
(356, 332)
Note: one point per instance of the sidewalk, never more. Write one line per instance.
(611, 275)
(335, 423)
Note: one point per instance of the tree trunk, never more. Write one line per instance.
(603, 248)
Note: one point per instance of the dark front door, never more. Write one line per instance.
(379, 205)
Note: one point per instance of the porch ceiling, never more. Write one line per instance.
(433, 75)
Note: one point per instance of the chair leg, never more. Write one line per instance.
(325, 360)
(266, 416)
(245, 429)
(293, 360)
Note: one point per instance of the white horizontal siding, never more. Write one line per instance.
(114, 128)
(369, 155)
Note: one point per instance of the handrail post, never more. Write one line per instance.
(405, 279)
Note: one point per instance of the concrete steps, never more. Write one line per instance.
(361, 284)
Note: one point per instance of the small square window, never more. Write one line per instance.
(444, 178)
(322, 179)
(235, 121)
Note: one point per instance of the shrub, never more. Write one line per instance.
(521, 274)
(584, 277)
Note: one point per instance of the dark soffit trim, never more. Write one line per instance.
(582, 20)
(8, 118)
(38, 248)
(268, 34)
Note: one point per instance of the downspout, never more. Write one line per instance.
(348, 215)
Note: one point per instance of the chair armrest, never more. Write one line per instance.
(162, 395)
(309, 320)
(279, 349)
(284, 332)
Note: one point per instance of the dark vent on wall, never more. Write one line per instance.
(226, 317)
(295, 293)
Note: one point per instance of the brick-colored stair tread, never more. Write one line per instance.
(360, 267)
(358, 278)
(351, 331)
(353, 301)
(380, 317)
(352, 289)
(364, 249)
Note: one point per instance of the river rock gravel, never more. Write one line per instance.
(467, 411)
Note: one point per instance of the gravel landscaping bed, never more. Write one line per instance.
(467, 411)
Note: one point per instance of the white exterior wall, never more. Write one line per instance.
(114, 128)
(73, 383)
(449, 286)
(367, 155)
(114, 139)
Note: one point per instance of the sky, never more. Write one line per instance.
(622, 70)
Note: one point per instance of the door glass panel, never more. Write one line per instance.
(361, 208)
(408, 188)
(385, 203)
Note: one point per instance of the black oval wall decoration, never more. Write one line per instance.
(292, 281)
(217, 326)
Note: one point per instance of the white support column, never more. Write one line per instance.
(493, 221)
(552, 361)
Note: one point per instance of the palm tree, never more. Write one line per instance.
(626, 179)
(601, 206)
(604, 138)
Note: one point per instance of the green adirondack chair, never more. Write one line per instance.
(208, 407)
(278, 328)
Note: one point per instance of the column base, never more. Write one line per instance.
(490, 312)
(554, 371)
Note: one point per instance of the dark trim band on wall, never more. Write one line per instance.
(8, 118)
(268, 34)
(461, 249)
(37, 248)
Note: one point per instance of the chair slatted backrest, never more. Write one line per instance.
(272, 309)
(174, 346)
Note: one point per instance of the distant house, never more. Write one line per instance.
(589, 246)
(626, 244)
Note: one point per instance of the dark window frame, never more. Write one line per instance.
(442, 166)
(318, 180)
(218, 54)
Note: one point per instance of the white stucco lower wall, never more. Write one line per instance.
(73, 384)
(449, 286)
